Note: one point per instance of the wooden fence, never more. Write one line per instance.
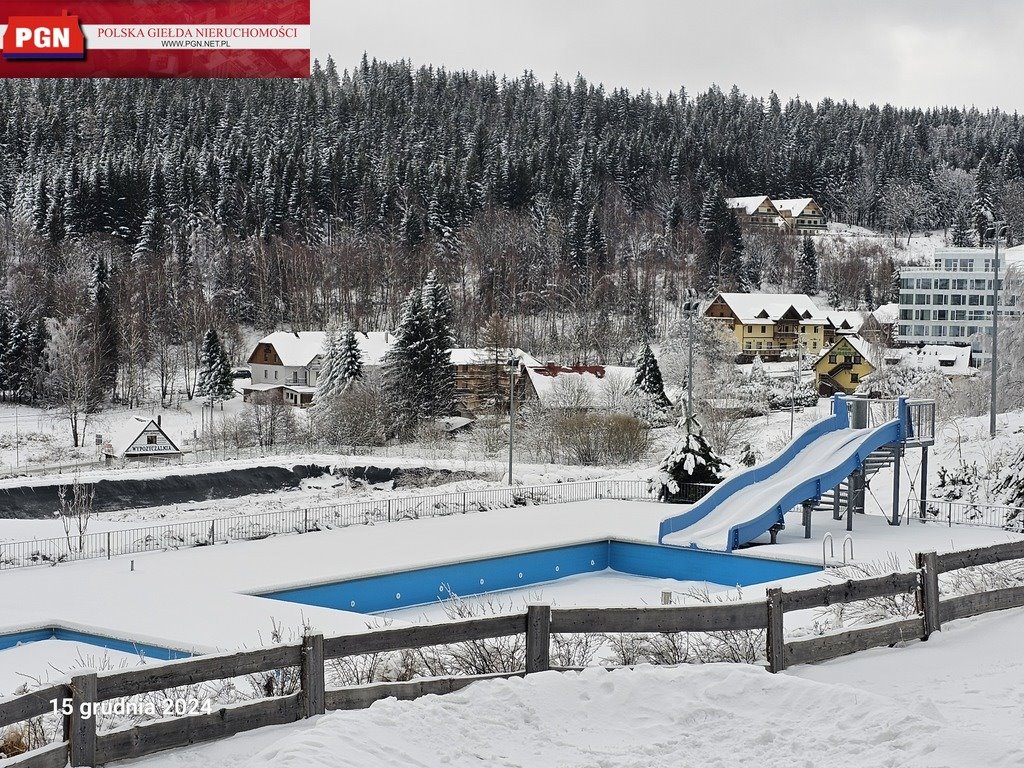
(84, 746)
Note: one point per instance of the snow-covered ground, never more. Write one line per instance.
(954, 701)
(204, 598)
(48, 661)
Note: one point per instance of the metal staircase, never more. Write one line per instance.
(876, 460)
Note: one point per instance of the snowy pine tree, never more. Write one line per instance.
(983, 208)
(419, 378)
(329, 381)
(215, 381)
(647, 392)
(104, 328)
(961, 234)
(807, 267)
(439, 395)
(351, 363)
(692, 460)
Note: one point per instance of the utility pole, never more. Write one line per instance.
(690, 307)
(793, 387)
(513, 365)
(994, 366)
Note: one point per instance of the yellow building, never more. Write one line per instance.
(843, 366)
(768, 325)
(802, 215)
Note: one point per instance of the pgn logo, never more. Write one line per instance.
(44, 37)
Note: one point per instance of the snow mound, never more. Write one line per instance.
(710, 715)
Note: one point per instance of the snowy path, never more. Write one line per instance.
(824, 454)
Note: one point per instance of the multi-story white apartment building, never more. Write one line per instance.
(950, 302)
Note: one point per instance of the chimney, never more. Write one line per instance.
(158, 417)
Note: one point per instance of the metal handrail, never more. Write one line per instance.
(848, 538)
(827, 537)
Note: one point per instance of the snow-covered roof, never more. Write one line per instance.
(859, 345)
(795, 206)
(950, 359)
(300, 348)
(296, 348)
(748, 204)
(482, 356)
(853, 320)
(125, 436)
(454, 423)
(766, 308)
(552, 382)
(374, 345)
(887, 313)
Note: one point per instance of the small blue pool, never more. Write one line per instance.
(108, 643)
(475, 577)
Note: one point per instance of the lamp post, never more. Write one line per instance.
(997, 226)
(513, 366)
(792, 387)
(690, 309)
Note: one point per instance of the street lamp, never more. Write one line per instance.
(513, 369)
(792, 387)
(994, 375)
(690, 308)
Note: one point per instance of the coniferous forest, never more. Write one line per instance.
(136, 215)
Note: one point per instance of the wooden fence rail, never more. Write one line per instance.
(82, 745)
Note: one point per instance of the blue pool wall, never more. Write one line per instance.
(428, 585)
(109, 643)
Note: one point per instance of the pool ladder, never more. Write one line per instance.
(827, 539)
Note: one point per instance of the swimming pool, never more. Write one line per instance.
(20, 637)
(403, 589)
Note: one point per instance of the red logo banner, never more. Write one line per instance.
(143, 38)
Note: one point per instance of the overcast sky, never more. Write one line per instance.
(906, 52)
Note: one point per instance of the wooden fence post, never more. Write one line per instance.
(538, 638)
(928, 592)
(311, 675)
(82, 730)
(776, 635)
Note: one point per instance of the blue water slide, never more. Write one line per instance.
(749, 503)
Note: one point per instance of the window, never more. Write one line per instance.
(762, 329)
(275, 374)
(150, 439)
(857, 360)
(854, 377)
(750, 329)
(942, 285)
(833, 359)
(266, 373)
